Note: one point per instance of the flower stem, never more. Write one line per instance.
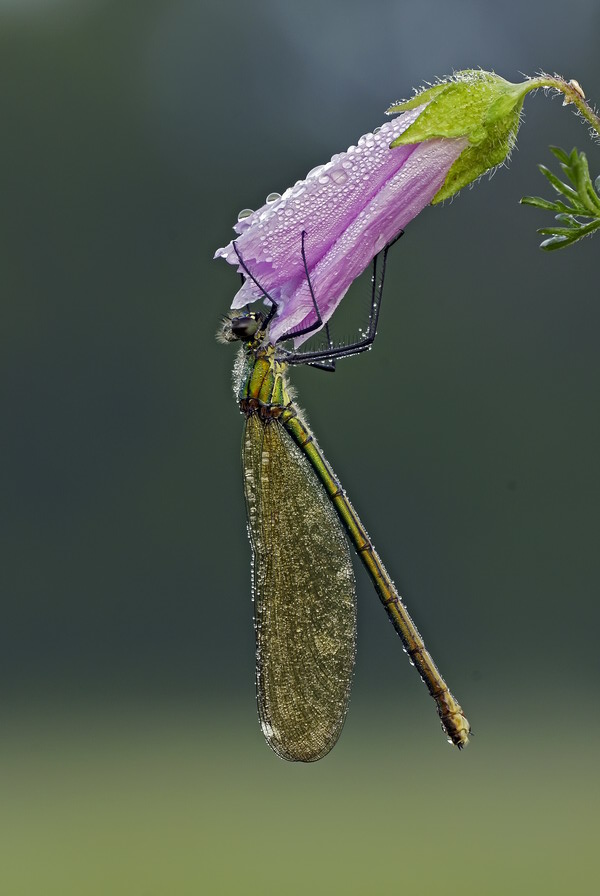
(573, 94)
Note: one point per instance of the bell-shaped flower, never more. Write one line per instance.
(350, 208)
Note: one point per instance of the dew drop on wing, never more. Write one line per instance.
(245, 213)
(273, 197)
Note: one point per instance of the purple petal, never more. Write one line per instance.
(350, 209)
(270, 237)
(389, 211)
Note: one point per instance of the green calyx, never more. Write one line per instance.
(478, 105)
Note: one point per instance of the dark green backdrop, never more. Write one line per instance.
(469, 441)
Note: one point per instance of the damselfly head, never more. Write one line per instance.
(241, 327)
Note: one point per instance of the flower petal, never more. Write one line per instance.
(269, 240)
(348, 209)
(399, 200)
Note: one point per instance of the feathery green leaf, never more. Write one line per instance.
(583, 201)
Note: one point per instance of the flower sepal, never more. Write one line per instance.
(478, 105)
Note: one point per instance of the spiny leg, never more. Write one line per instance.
(321, 365)
(310, 328)
(274, 305)
(363, 344)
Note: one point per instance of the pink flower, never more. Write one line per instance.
(350, 209)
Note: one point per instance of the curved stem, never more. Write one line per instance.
(573, 94)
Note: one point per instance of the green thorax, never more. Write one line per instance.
(262, 384)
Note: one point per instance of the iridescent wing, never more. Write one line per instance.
(304, 596)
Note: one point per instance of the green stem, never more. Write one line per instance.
(572, 94)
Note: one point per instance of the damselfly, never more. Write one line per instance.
(299, 522)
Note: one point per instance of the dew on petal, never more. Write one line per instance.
(350, 207)
(376, 131)
(245, 213)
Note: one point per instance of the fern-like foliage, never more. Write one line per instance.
(578, 214)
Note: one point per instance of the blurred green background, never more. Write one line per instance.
(130, 756)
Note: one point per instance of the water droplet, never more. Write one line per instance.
(347, 164)
(339, 176)
(324, 179)
(245, 213)
(314, 171)
(376, 131)
(273, 197)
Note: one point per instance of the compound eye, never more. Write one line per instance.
(244, 327)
